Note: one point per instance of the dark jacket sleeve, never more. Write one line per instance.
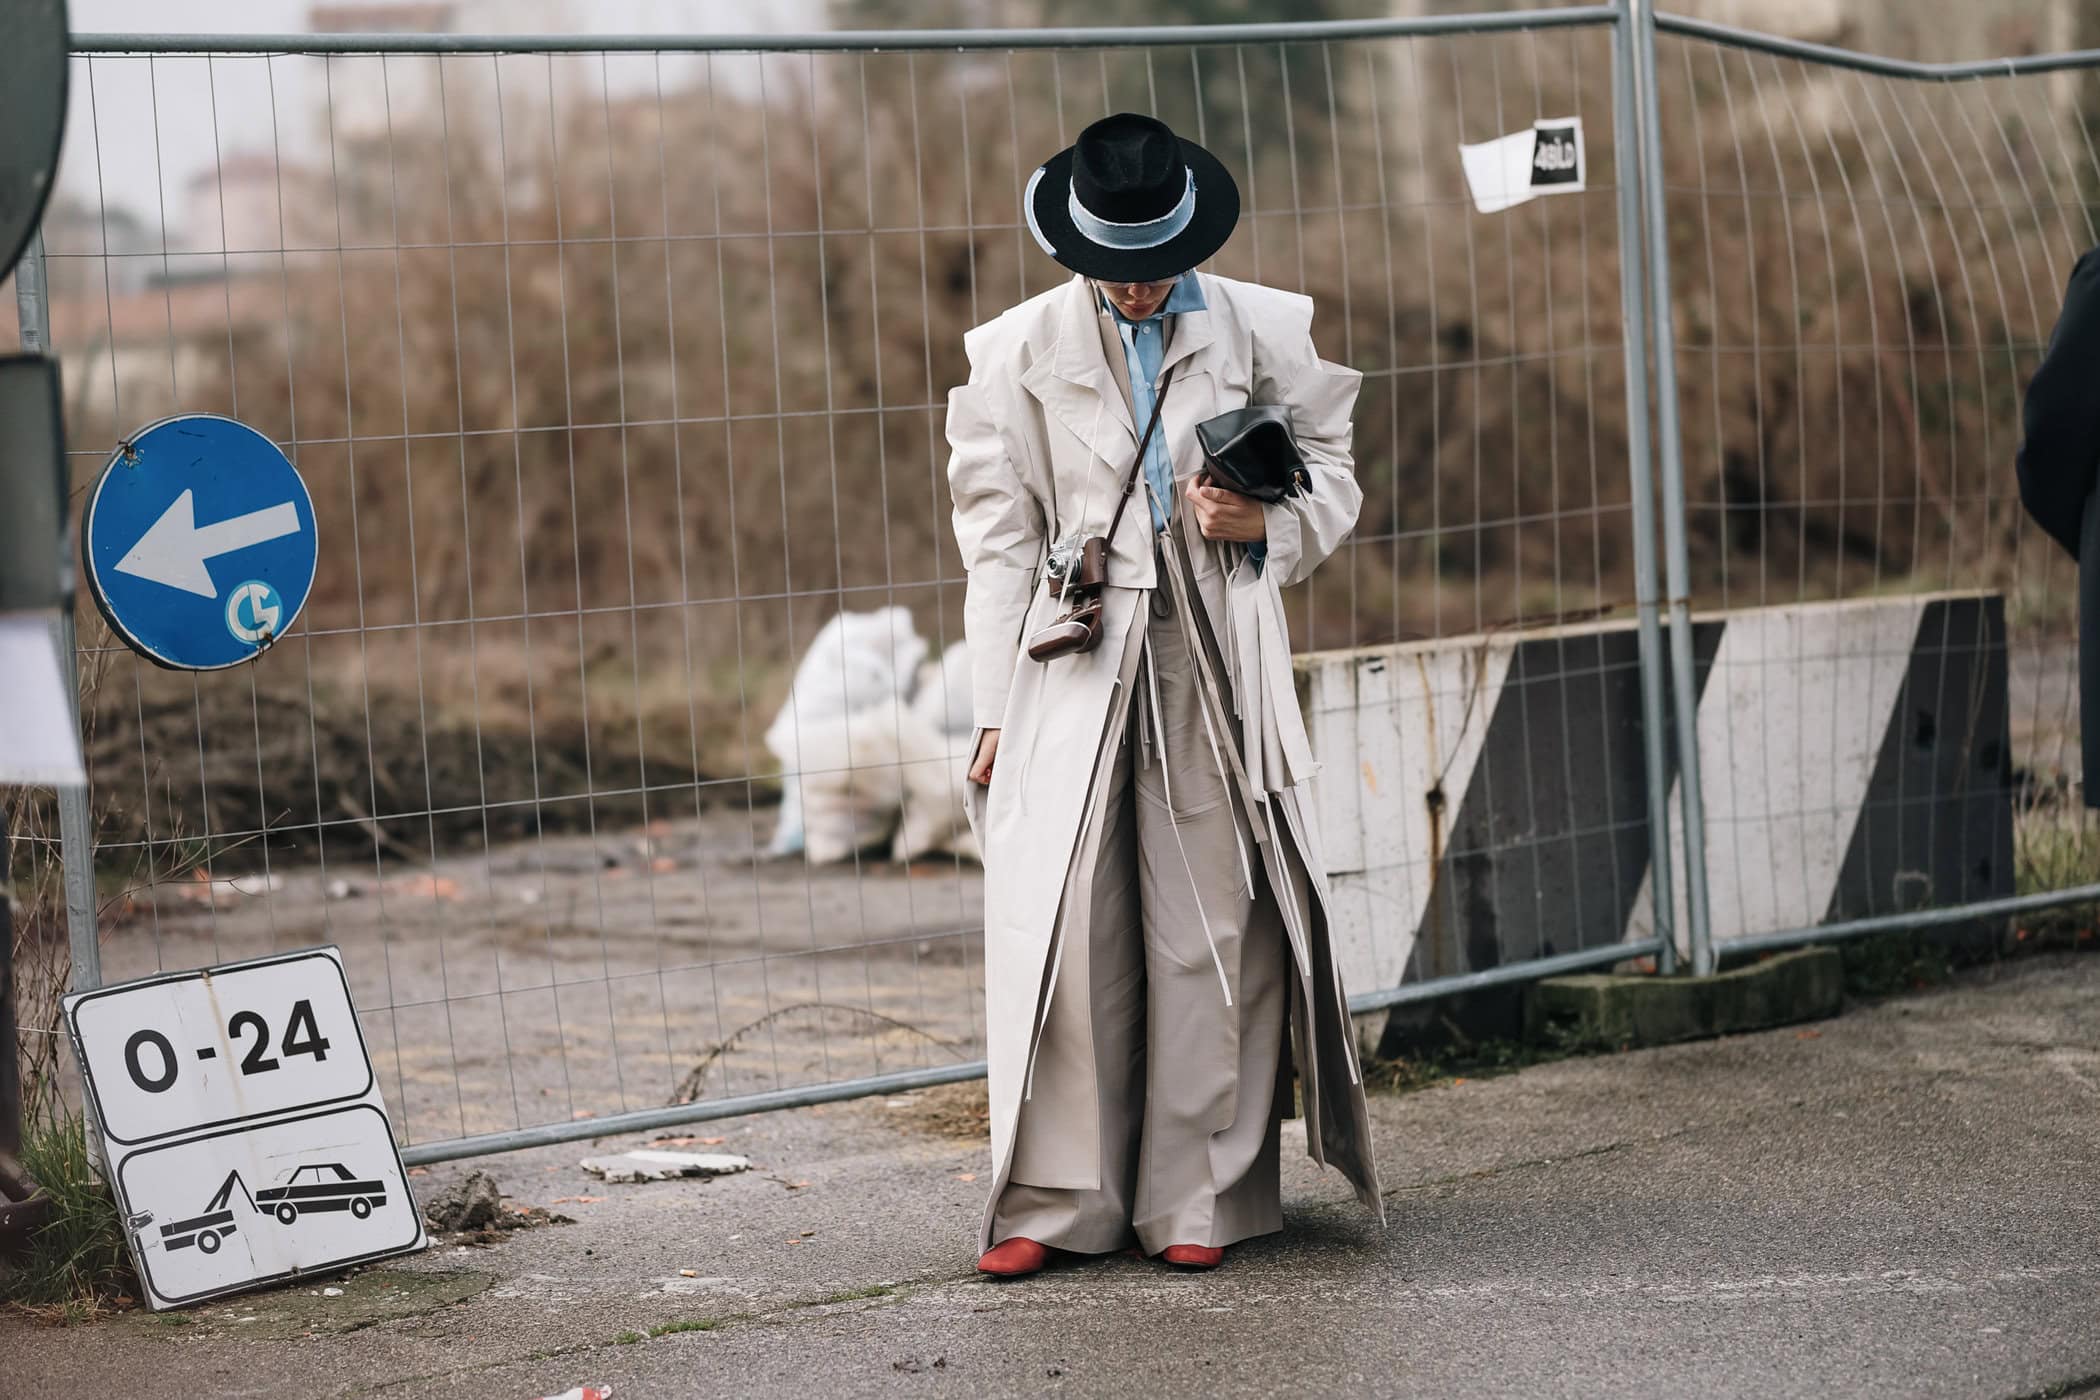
(2058, 459)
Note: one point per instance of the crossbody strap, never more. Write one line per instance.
(1130, 483)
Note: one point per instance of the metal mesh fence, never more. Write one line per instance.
(618, 379)
(1867, 268)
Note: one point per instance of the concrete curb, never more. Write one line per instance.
(1610, 1009)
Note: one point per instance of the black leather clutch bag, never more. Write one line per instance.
(1251, 451)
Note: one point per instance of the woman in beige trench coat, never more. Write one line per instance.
(1156, 908)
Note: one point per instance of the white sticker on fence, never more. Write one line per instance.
(1547, 158)
(247, 1134)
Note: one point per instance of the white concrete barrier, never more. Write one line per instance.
(1484, 798)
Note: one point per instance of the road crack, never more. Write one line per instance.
(780, 1314)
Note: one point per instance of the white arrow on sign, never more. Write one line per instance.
(174, 547)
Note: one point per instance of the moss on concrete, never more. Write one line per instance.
(1608, 1010)
(365, 1299)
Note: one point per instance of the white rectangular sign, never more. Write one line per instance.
(256, 1204)
(195, 1050)
(39, 741)
(247, 1137)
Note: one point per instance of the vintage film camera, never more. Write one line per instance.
(1077, 569)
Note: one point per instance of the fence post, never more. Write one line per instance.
(76, 837)
(1637, 26)
(10, 1043)
(1633, 319)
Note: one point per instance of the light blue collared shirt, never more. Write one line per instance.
(1144, 347)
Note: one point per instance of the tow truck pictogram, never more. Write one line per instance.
(209, 1230)
(318, 1186)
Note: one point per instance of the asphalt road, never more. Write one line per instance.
(1896, 1203)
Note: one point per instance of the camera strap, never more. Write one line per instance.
(1159, 401)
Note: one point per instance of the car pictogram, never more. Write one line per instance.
(321, 1186)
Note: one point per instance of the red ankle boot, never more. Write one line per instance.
(1013, 1258)
(1193, 1256)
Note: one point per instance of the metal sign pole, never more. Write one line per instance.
(10, 1068)
(76, 841)
(23, 1205)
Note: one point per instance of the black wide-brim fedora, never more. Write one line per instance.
(1130, 201)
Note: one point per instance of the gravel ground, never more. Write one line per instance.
(575, 976)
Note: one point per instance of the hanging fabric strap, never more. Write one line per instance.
(1137, 465)
(1208, 664)
(1148, 701)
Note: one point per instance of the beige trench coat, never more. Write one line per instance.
(1041, 440)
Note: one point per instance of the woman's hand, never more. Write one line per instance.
(981, 765)
(1226, 515)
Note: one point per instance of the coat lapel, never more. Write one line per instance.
(1192, 336)
(1073, 382)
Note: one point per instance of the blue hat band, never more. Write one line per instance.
(1149, 234)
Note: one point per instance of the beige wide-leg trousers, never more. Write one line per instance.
(1139, 1027)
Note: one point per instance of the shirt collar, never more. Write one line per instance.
(1186, 296)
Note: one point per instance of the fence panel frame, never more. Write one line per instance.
(1908, 70)
(1655, 459)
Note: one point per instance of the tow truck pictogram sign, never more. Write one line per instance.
(310, 1189)
(245, 1088)
(208, 1230)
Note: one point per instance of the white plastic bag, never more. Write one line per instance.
(858, 663)
(935, 760)
(852, 780)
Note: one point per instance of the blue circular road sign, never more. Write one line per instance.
(199, 542)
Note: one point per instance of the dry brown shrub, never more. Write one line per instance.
(605, 417)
